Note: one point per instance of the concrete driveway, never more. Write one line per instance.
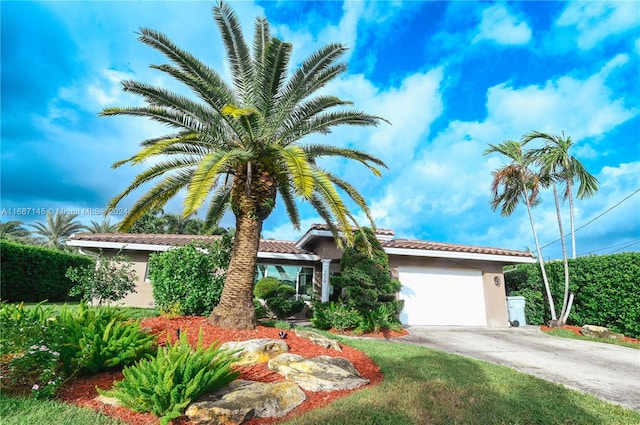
(608, 371)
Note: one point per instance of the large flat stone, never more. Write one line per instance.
(242, 400)
(318, 339)
(256, 350)
(321, 373)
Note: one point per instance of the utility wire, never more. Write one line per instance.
(626, 244)
(593, 219)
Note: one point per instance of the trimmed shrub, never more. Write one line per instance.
(266, 287)
(190, 277)
(111, 279)
(33, 274)
(167, 384)
(607, 291)
(278, 297)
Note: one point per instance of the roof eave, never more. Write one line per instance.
(509, 259)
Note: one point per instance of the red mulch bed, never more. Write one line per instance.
(576, 330)
(81, 391)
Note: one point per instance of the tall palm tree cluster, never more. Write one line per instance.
(238, 146)
(520, 181)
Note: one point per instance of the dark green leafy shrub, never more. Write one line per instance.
(166, 384)
(334, 315)
(191, 276)
(110, 279)
(382, 318)
(607, 291)
(266, 287)
(97, 339)
(33, 274)
(284, 307)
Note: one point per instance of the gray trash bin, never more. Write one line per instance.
(515, 306)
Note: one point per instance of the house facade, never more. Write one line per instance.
(442, 284)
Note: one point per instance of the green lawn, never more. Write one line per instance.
(421, 386)
(566, 333)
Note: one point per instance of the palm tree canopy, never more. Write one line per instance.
(556, 161)
(13, 230)
(57, 229)
(514, 181)
(105, 226)
(239, 144)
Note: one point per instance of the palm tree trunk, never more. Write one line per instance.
(552, 305)
(565, 261)
(571, 220)
(235, 309)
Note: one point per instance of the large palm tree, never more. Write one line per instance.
(557, 166)
(240, 145)
(57, 229)
(513, 184)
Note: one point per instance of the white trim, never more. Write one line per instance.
(327, 234)
(459, 255)
(119, 245)
(282, 256)
(158, 248)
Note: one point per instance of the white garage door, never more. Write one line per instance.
(450, 297)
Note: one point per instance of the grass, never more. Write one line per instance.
(20, 411)
(132, 312)
(566, 333)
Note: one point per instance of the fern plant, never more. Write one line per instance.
(166, 384)
(101, 338)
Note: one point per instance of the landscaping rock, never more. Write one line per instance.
(243, 400)
(318, 339)
(321, 373)
(110, 401)
(256, 350)
(599, 332)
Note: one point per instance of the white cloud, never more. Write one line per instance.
(597, 20)
(500, 26)
(582, 108)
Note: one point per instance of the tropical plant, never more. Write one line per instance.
(13, 231)
(153, 222)
(243, 143)
(557, 166)
(515, 183)
(105, 226)
(111, 279)
(177, 223)
(190, 278)
(166, 384)
(57, 229)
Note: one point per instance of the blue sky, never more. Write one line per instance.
(451, 77)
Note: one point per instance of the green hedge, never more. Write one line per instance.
(33, 274)
(607, 291)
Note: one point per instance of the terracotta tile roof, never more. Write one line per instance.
(387, 232)
(266, 245)
(448, 247)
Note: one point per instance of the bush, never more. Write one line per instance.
(607, 291)
(40, 350)
(101, 338)
(191, 276)
(167, 384)
(335, 316)
(33, 274)
(266, 287)
(110, 279)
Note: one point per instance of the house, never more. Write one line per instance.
(442, 283)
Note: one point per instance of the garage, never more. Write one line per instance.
(439, 296)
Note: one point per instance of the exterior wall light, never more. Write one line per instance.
(496, 280)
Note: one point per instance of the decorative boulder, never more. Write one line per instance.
(243, 400)
(599, 332)
(318, 339)
(256, 350)
(322, 373)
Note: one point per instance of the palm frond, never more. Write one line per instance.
(298, 167)
(218, 205)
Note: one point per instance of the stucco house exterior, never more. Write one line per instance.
(442, 284)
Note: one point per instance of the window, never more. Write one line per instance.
(300, 277)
